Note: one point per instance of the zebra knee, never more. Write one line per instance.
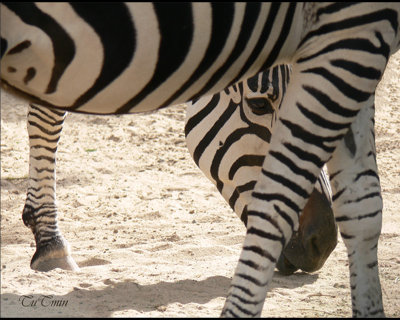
(358, 211)
(28, 216)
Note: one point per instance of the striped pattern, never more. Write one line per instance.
(40, 210)
(140, 57)
(138, 44)
(44, 129)
(262, 94)
(228, 135)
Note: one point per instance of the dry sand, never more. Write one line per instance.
(152, 236)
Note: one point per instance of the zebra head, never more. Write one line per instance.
(233, 160)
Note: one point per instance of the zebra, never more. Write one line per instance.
(173, 53)
(44, 129)
(227, 135)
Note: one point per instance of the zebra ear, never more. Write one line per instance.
(260, 106)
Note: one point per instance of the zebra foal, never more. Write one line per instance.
(228, 143)
(310, 246)
(143, 56)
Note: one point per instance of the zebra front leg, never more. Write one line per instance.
(40, 211)
(357, 204)
(316, 113)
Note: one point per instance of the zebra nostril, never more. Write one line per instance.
(313, 245)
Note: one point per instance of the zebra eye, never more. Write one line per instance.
(260, 106)
(273, 97)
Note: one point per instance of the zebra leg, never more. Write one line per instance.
(358, 211)
(316, 113)
(40, 211)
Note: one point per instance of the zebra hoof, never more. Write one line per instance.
(285, 267)
(65, 263)
(55, 254)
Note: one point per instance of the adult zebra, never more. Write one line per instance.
(310, 246)
(203, 48)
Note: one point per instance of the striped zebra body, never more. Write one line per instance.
(218, 46)
(148, 58)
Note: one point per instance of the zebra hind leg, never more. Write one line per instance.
(40, 211)
(355, 184)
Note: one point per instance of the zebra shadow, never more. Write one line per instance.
(16, 185)
(129, 295)
(19, 185)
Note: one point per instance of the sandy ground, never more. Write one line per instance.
(152, 236)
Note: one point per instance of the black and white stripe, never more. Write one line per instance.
(40, 210)
(168, 54)
(228, 135)
(141, 44)
(256, 100)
